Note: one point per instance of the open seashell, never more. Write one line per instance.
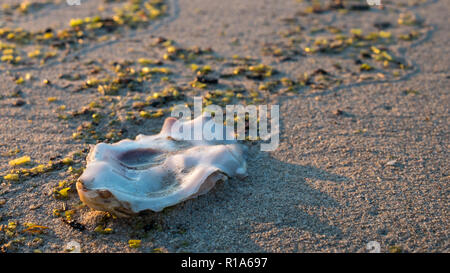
(158, 171)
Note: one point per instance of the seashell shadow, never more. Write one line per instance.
(275, 199)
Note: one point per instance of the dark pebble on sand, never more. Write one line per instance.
(207, 79)
(320, 71)
(75, 225)
(382, 25)
(359, 7)
(338, 112)
(19, 103)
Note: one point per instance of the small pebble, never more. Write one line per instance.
(19, 103)
(338, 112)
(33, 207)
(382, 25)
(207, 79)
(391, 163)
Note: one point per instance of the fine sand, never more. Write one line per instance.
(359, 160)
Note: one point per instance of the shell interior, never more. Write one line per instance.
(154, 172)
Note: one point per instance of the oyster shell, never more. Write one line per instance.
(158, 171)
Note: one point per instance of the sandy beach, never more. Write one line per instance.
(364, 115)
